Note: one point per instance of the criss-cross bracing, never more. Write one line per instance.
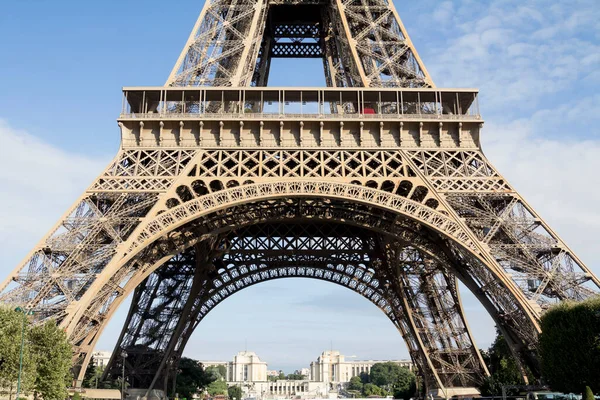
(361, 43)
(416, 291)
(377, 183)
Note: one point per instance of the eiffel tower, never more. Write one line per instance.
(376, 182)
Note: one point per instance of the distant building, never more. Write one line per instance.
(305, 372)
(101, 358)
(249, 372)
(286, 389)
(245, 367)
(207, 364)
(324, 378)
(331, 366)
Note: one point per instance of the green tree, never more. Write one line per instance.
(587, 394)
(108, 383)
(222, 371)
(405, 385)
(213, 373)
(386, 374)
(98, 372)
(11, 328)
(191, 377)
(569, 346)
(234, 392)
(295, 377)
(370, 389)
(53, 353)
(280, 376)
(355, 384)
(503, 368)
(364, 377)
(91, 375)
(217, 387)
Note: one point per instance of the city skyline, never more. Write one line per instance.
(541, 105)
(102, 356)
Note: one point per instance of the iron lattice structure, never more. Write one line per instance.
(377, 183)
(362, 43)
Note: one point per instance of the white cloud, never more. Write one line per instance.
(536, 65)
(515, 53)
(39, 182)
(557, 177)
(443, 13)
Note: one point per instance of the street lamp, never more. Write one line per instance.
(124, 356)
(25, 313)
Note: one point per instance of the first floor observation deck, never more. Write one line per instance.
(299, 117)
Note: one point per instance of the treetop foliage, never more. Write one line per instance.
(384, 374)
(587, 394)
(217, 387)
(393, 378)
(355, 384)
(53, 362)
(192, 377)
(370, 389)
(47, 353)
(235, 392)
(385, 379)
(295, 377)
(11, 325)
(569, 346)
(502, 366)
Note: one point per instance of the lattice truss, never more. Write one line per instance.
(299, 40)
(425, 307)
(73, 274)
(540, 263)
(361, 42)
(151, 204)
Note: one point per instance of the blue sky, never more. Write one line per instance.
(62, 64)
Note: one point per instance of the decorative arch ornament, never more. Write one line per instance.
(163, 233)
(167, 220)
(325, 249)
(374, 202)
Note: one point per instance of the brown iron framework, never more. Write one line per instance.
(377, 183)
(349, 255)
(362, 43)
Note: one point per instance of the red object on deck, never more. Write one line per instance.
(367, 110)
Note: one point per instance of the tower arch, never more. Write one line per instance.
(272, 202)
(332, 251)
(380, 149)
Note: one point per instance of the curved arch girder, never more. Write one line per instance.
(486, 286)
(341, 254)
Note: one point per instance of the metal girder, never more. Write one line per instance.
(362, 43)
(223, 46)
(431, 293)
(342, 254)
(401, 182)
(296, 50)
